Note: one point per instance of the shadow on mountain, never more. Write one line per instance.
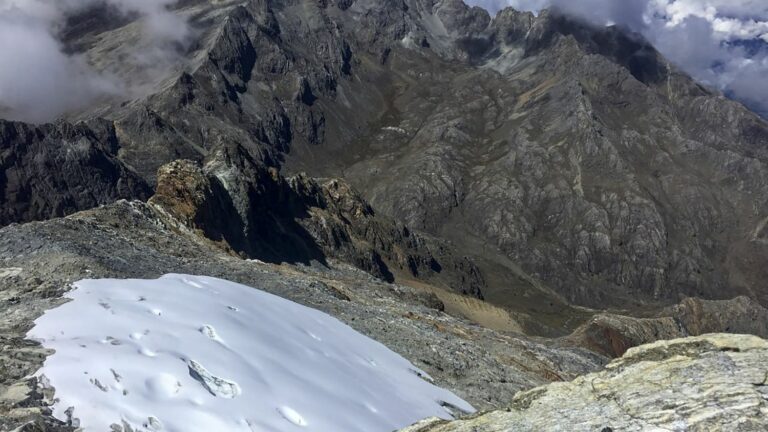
(252, 211)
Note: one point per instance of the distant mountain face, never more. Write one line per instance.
(55, 170)
(572, 164)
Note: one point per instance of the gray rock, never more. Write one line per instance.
(58, 169)
(711, 382)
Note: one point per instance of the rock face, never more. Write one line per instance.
(252, 210)
(58, 169)
(578, 152)
(711, 382)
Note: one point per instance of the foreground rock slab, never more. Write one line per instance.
(705, 383)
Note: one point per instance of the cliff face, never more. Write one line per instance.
(254, 212)
(712, 382)
(58, 169)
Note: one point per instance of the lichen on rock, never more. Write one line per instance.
(705, 383)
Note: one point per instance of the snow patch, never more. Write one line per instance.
(174, 354)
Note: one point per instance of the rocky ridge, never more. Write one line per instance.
(39, 260)
(253, 211)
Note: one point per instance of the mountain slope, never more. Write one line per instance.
(572, 165)
(578, 154)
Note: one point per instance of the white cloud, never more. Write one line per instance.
(37, 81)
(40, 82)
(721, 43)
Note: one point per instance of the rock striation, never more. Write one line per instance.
(705, 383)
(58, 169)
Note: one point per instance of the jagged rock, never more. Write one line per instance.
(250, 209)
(58, 169)
(711, 382)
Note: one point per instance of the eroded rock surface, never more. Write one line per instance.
(58, 169)
(705, 383)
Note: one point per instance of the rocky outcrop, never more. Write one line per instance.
(251, 210)
(612, 335)
(711, 382)
(58, 169)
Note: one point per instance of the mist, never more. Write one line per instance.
(721, 43)
(40, 81)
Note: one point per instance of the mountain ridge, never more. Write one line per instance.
(570, 153)
(395, 163)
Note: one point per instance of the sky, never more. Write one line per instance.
(721, 43)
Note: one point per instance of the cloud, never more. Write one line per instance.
(721, 43)
(40, 82)
(37, 80)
